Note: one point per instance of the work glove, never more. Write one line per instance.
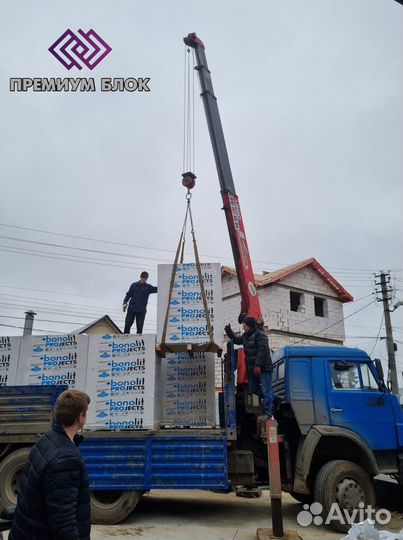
(228, 330)
(124, 307)
(257, 371)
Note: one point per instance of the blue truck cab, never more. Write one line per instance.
(341, 425)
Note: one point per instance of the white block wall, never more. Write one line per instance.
(275, 302)
(277, 314)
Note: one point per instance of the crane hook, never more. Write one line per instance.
(189, 180)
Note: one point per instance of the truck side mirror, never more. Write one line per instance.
(379, 369)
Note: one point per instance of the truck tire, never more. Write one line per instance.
(11, 469)
(112, 507)
(346, 484)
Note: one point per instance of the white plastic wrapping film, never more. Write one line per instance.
(9, 353)
(188, 397)
(47, 360)
(186, 315)
(123, 382)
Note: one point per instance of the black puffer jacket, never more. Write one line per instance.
(54, 498)
(256, 347)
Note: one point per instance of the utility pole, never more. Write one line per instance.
(384, 281)
(29, 323)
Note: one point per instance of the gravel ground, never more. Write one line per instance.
(201, 515)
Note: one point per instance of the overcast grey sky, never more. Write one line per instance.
(310, 95)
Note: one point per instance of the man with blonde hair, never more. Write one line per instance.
(54, 498)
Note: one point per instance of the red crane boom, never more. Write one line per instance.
(250, 304)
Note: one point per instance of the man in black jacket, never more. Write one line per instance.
(258, 361)
(137, 296)
(54, 497)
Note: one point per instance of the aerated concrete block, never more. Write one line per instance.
(188, 396)
(48, 360)
(123, 376)
(9, 353)
(186, 314)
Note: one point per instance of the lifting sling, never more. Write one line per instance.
(189, 182)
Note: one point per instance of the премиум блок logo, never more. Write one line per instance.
(81, 49)
(86, 49)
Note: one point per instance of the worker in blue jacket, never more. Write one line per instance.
(137, 296)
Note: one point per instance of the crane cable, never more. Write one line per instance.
(188, 158)
(188, 181)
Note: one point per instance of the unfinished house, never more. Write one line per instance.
(302, 304)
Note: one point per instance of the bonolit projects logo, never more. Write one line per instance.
(83, 48)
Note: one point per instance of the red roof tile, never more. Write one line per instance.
(264, 280)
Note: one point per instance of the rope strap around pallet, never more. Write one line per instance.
(179, 256)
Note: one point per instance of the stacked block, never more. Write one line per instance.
(123, 381)
(186, 314)
(188, 390)
(188, 382)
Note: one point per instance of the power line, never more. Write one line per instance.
(56, 292)
(118, 264)
(79, 258)
(92, 316)
(83, 260)
(41, 320)
(61, 302)
(64, 308)
(36, 253)
(102, 241)
(337, 322)
(363, 326)
(74, 248)
(118, 317)
(57, 303)
(110, 242)
(89, 312)
(377, 337)
(69, 313)
(331, 311)
(52, 301)
(22, 328)
(107, 262)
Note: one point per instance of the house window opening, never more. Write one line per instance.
(295, 301)
(320, 307)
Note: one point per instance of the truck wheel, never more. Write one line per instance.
(11, 469)
(112, 507)
(346, 484)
